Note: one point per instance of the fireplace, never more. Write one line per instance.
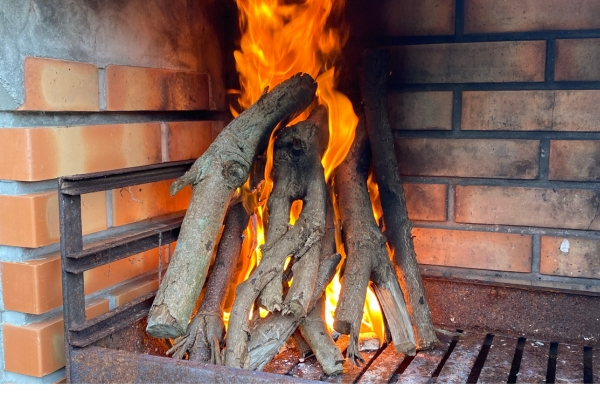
(496, 138)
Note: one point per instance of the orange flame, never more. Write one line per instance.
(280, 39)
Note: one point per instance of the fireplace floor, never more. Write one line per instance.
(472, 357)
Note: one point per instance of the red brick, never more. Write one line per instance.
(38, 349)
(136, 88)
(188, 140)
(469, 62)
(574, 160)
(32, 287)
(136, 203)
(524, 110)
(121, 270)
(34, 154)
(530, 15)
(133, 290)
(33, 218)
(577, 60)
(426, 202)
(479, 250)
(573, 257)
(560, 110)
(58, 85)
(550, 208)
(416, 17)
(479, 158)
(420, 110)
(576, 110)
(35, 287)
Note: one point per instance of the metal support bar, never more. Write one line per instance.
(76, 260)
(99, 181)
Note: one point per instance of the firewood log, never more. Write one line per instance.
(206, 331)
(272, 332)
(214, 177)
(297, 152)
(365, 253)
(398, 228)
(291, 182)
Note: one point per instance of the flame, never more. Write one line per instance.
(280, 39)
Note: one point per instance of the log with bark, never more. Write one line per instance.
(214, 177)
(291, 183)
(398, 228)
(366, 255)
(272, 332)
(206, 331)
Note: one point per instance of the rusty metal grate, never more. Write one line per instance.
(472, 357)
(129, 356)
(113, 348)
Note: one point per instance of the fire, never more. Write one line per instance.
(281, 38)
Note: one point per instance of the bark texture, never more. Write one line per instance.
(273, 331)
(315, 332)
(295, 152)
(366, 252)
(205, 332)
(214, 177)
(398, 228)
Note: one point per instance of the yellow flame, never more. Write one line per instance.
(280, 39)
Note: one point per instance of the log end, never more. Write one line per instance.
(407, 348)
(164, 331)
(333, 370)
(162, 325)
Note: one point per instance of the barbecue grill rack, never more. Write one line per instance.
(492, 333)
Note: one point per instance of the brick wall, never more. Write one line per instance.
(494, 106)
(88, 87)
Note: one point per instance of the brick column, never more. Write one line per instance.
(77, 100)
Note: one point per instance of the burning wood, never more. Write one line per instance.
(290, 261)
(309, 246)
(366, 255)
(214, 177)
(373, 85)
(298, 174)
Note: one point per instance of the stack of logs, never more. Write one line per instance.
(309, 245)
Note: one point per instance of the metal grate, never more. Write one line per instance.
(469, 357)
(113, 347)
